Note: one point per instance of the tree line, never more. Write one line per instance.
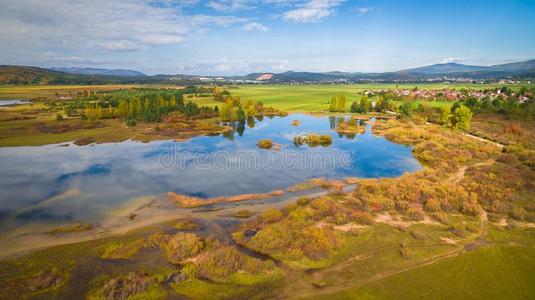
(147, 105)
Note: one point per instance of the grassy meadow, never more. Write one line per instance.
(49, 91)
(46, 91)
(300, 97)
(293, 98)
(316, 97)
(497, 270)
(19, 131)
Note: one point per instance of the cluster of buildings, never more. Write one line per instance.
(444, 94)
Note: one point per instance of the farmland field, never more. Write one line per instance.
(491, 271)
(317, 97)
(34, 91)
(314, 97)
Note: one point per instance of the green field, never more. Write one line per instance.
(491, 272)
(34, 91)
(290, 98)
(317, 97)
(501, 269)
(297, 98)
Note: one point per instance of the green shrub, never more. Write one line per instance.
(179, 246)
(116, 250)
(303, 201)
(313, 140)
(459, 230)
(245, 213)
(294, 240)
(362, 217)
(271, 215)
(131, 122)
(405, 252)
(218, 264)
(441, 218)
(186, 224)
(417, 234)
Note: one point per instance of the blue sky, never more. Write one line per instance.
(234, 37)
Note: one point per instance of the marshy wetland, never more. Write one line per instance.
(267, 150)
(340, 205)
(56, 185)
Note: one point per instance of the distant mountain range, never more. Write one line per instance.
(453, 68)
(519, 70)
(94, 71)
(440, 69)
(437, 72)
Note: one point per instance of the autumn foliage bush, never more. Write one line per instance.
(271, 215)
(438, 148)
(294, 239)
(410, 194)
(222, 261)
(178, 247)
(504, 188)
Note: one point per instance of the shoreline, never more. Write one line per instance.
(152, 211)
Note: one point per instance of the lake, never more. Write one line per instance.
(69, 183)
(12, 102)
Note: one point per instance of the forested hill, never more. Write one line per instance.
(25, 75)
(97, 71)
(14, 75)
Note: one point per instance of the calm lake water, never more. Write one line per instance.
(12, 102)
(55, 183)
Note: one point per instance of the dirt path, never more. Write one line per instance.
(484, 140)
(474, 137)
(337, 288)
(459, 175)
(463, 247)
(431, 260)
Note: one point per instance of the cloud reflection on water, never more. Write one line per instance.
(110, 174)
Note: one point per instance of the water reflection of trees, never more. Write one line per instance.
(332, 122)
(349, 136)
(335, 120)
(250, 122)
(238, 127)
(229, 135)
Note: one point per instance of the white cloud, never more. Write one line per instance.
(280, 2)
(118, 45)
(312, 11)
(223, 21)
(106, 24)
(170, 3)
(234, 66)
(229, 5)
(254, 26)
(363, 10)
(284, 65)
(188, 2)
(447, 60)
(113, 25)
